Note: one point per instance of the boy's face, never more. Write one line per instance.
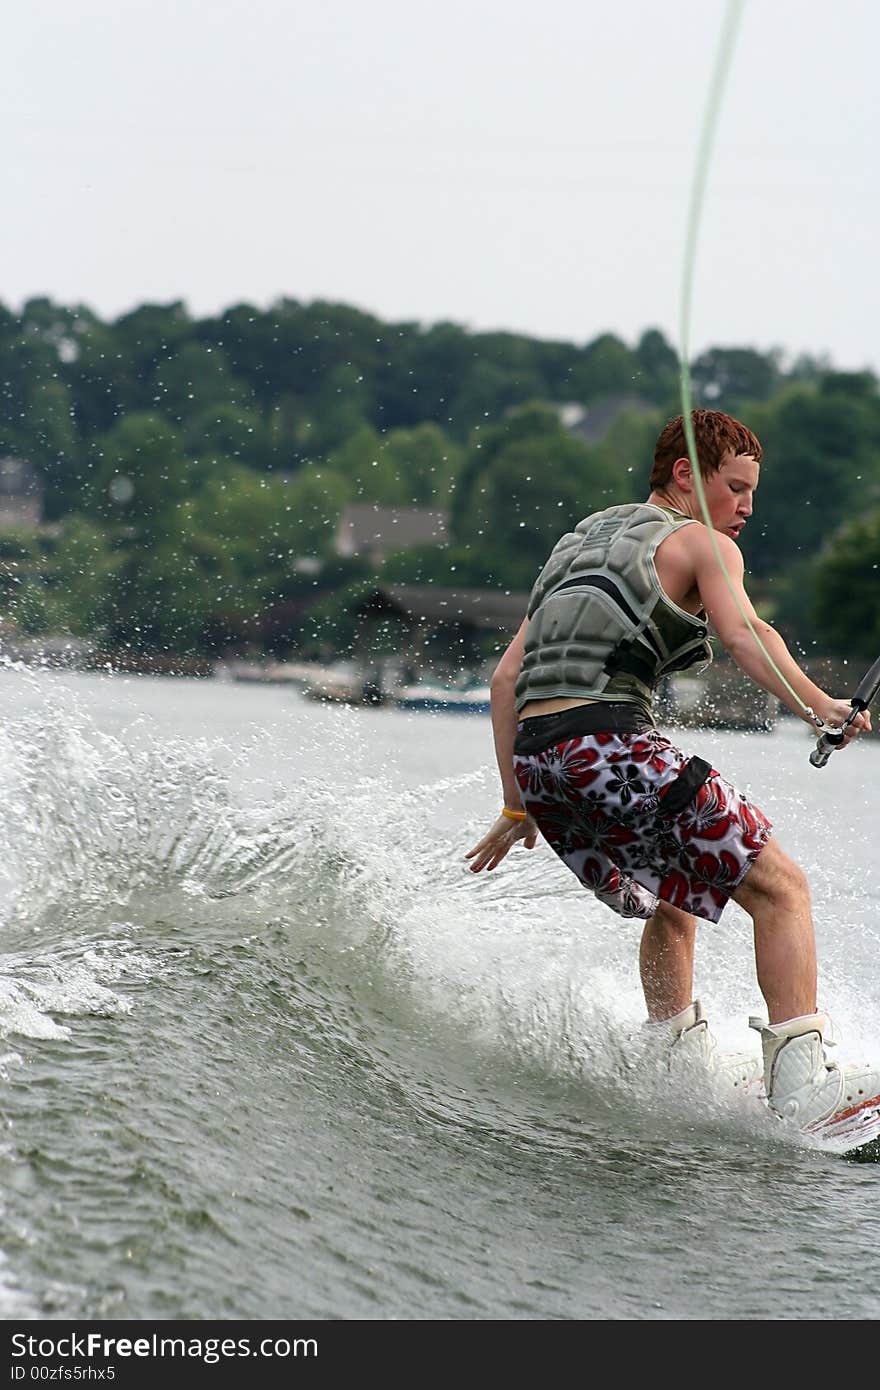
(730, 493)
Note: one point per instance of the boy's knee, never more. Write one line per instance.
(791, 878)
(797, 879)
(671, 920)
(777, 878)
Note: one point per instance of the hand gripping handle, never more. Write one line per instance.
(867, 691)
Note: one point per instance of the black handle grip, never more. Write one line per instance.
(869, 687)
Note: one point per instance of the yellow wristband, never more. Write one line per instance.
(512, 815)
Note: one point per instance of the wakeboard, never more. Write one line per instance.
(854, 1134)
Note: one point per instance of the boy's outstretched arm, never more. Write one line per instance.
(505, 833)
(725, 616)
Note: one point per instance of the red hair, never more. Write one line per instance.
(716, 436)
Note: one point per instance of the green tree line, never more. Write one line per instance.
(194, 470)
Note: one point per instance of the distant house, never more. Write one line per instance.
(21, 495)
(373, 532)
(435, 628)
(592, 422)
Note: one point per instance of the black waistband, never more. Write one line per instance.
(603, 717)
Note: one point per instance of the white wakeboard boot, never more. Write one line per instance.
(694, 1049)
(838, 1103)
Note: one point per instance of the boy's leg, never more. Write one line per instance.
(841, 1101)
(776, 896)
(666, 961)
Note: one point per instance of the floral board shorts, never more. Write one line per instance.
(600, 800)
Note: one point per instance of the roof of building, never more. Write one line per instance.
(367, 526)
(484, 608)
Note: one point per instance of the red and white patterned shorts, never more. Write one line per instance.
(598, 801)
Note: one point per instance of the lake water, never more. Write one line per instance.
(269, 1050)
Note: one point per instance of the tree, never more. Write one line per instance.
(233, 555)
(291, 348)
(28, 362)
(140, 471)
(262, 525)
(54, 446)
(658, 367)
(488, 392)
(342, 405)
(287, 432)
(230, 430)
(626, 453)
(315, 498)
(164, 596)
(441, 356)
(194, 380)
(424, 461)
(724, 378)
(606, 367)
(526, 482)
(148, 336)
(79, 570)
(20, 579)
(846, 580)
(103, 379)
(369, 472)
(163, 429)
(821, 463)
(247, 515)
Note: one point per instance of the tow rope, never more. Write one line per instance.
(717, 82)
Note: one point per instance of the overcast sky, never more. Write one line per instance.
(499, 163)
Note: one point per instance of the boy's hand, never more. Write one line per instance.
(836, 712)
(504, 834)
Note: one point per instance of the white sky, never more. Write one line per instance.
(499, 163)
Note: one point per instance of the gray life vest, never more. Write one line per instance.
(600, 626)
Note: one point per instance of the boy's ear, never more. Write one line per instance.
(683, 474)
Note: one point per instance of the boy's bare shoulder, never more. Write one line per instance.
(700, 544)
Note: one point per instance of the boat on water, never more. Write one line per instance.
(345, 683)
(445, 699)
